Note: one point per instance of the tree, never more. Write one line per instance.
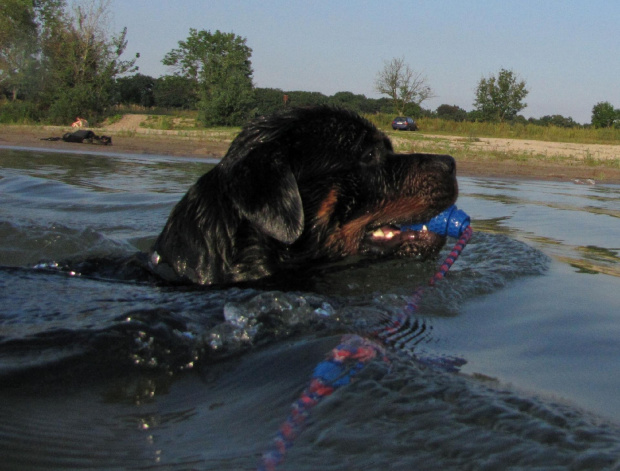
(451, 113)
(554, 120)
(135, 90)
(301, 98)
(604, 115)
(402, 84)
(174, 91)
(500, 98)
(18, 44)
(349, 100)
(268, 100)
(219, 64)
(82, 61)
(61, 63)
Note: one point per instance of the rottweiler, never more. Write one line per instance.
(303, 187)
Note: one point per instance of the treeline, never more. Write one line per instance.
(175, 92)
(58, 62)
(455, 113)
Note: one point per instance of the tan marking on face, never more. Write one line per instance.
(345, 240)
(327, 208)
(401, 209)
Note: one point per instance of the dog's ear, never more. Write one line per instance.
(265, 191)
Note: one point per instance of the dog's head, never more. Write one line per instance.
(301, 187)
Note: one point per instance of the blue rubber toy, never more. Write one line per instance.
(451, 222)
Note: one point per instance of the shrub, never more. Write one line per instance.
(19, 112)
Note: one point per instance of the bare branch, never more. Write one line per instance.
(403, 84)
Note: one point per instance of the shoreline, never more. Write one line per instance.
(181, 144)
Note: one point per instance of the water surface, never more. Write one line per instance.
(107, 372)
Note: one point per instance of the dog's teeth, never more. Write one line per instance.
(378, 233)
(424, 228)
(155, 258)
(389, 235)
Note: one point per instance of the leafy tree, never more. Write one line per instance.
(500, 98)
(268, 100)
(382, 105)
(475, 116)
(604, 115)
(82, 61)
(174, 91)
(554, 120)
(18, 45)
(351, 101)
(219, 63)
(135, 90)
(62, 62)
(402, 84)
(451, 113)
(300, 98)
(15, 17)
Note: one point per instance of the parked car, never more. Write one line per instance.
(404, 124)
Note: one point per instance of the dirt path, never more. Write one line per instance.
(129, 122)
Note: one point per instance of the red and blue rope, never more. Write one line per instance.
(345, 361)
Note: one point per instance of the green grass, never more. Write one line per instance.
(164, 123)
(186, 120)
(507, 131)
(409, 142)
(113, 119)
(430, 138)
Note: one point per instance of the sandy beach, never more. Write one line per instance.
(566, 161)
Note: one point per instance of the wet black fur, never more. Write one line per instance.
(296, 189)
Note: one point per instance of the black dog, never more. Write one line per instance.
(81, 136)
(307, 186)
(86, 136)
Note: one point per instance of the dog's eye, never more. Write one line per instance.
(370, 156)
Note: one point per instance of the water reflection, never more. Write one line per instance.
(94, 171)
(578, 225)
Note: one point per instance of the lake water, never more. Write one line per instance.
(103, 370)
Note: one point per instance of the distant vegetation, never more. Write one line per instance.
(174, 95)
(437, 136)
(542, 129)
(404, 85)
(59, 61)
(499, 99)
(446, 119)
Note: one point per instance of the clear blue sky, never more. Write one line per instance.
(567, 51)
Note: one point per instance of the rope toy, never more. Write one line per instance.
(354, 352)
